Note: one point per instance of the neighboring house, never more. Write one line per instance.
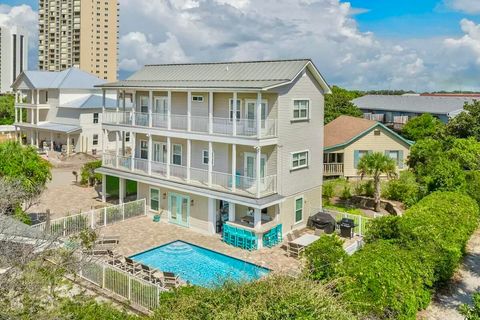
(61, 110)
(347, 139)
(217, 142)
(7, 133)
(395, 111)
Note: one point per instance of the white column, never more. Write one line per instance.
(32, 116)
(150, 153)
(38, 96)
(38, 116)
(258, 165)
(210, 112)
(259, 115)
(51, 141)
(134, 107)
(169, 155)
(117, 150)
(104, 188)
(31, 138)
(32, 97)
(212, 214)
(104, 141)
(234, 167)
(121, 191)
(150, 108)
(234, 111)
(68, 144)
(133, 144)
(210, 163)
(189, 111)
(16, 114)
(189, 158)
(231, 211)
(257, 218)
(169, 110)
(118, 101)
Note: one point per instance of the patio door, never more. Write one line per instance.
(179, 208)
(160, 152)
(250, 113)
(250, 168)
(160, 107)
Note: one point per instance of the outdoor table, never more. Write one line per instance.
(306, 239)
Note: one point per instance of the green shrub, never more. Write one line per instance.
(366, 188)
(85, 308)
(346, 193)
(324, 257)
(404, 189)
(327, 192)
(88, 175)
(473, 185)
(276, 297)
(384, 228)
(471, 312)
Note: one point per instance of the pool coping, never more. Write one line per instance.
(195, 245)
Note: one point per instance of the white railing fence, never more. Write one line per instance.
(93, 219)
(139, 292)
(361, 222)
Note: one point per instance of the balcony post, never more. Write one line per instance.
(118, 101)
(133, 143)
(210, 163)
(32, 116)
(150, 108)
(189, 111)
(234, 114)
(32, 97)
(189, 158)
(104, 188)
(104, 141)
(16, 115)
(231, 211)
(257, 218)
(212, 208)
(169, 110)
(117, 151)
(51, 140)
(150, 153)
(258, 167)
(234, 167)
(259, 115)
(121, 193)
(38, 116)
(124, 107)
(68, 144)
(210, 112)
(134, 107)
(38, 96)
(169, 155)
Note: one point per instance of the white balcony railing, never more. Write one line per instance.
(333, 169)
(32, 105)
(198, 124)
(219, 180)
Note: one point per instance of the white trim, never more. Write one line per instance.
(254, 155)
(247, 101)
(150, 188)
(307, 118)
(146, 141)
(230, 110)
(142, 105)
(203, 157)
(295, 222)
(196, 96)
(300, 166)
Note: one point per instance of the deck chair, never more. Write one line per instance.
(296, 234)
(108, 240)
(294, 250)
(145, 272)
(131, 266)
(289, 237)
(114, 259)
(319, 232)
(101, 250)
(170, 280)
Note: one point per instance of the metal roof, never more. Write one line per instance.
(411, 103)
(243, 75)
(71, 78)
(92, 101)
(58, 127)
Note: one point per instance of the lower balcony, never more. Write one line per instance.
(333, 169)
(221, 181)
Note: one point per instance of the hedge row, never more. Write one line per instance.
(407, 258)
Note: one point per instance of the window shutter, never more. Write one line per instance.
(356, 158)
(400, 159)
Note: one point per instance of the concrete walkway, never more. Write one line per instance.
(465, 282)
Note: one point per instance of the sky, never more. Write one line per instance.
(420, 45)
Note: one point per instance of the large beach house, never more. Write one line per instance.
(239, 143)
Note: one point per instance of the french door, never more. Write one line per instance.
(250, 168)
(179, 208)
(250, 113)
(160, 152)
(161, 107)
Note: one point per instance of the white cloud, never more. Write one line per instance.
(466, 6)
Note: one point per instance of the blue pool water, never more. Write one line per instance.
(199, 266)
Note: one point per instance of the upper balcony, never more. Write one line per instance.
(245, 128)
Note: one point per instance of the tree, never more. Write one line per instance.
(7, 109)
(424, 126)
(339, 103)
(467, 123)
(375, 165)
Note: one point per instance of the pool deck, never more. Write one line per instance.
(140, 234)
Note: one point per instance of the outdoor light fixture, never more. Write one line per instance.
(192, 203)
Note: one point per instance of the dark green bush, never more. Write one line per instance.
(324, 257)
(346, 193)
(404, 189)
(327, 192)
(276, 297)
(473, 185)
(384, 228)
(88, 175)
(472, 312)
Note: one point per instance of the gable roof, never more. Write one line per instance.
(71, 78)
(261, 75)
(91, 101)
(413, 103)
(345, 130)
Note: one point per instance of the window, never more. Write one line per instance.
(298, 209)
(333, 158)
(177, 154)
(154, 199)
(301, 109)
(357, 155)
(239, 107)
(127, 136)
(376, 132)
(143, 149)
(144, 104)
(205, 157)
(95, 117)
(299, 160)
(397, 156)
(95, 140)
(197, 98)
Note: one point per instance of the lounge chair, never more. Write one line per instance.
(294, 250)
(114, 259)
(131, 266)
(170, 280)
(296, 234)
(108, 240)
(145, 272)
(289, 237)
(101, 250)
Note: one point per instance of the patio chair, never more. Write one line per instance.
(157, 278)
(319, 232)
(170, 280)
(114, 259)
(289, 237)
(131, 266)
(296, 234)
(294, 250)
(145, 272)
(108, 240)
(101, 250)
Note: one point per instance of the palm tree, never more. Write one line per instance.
(375, 165)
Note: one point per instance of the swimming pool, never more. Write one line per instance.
(199, 266)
